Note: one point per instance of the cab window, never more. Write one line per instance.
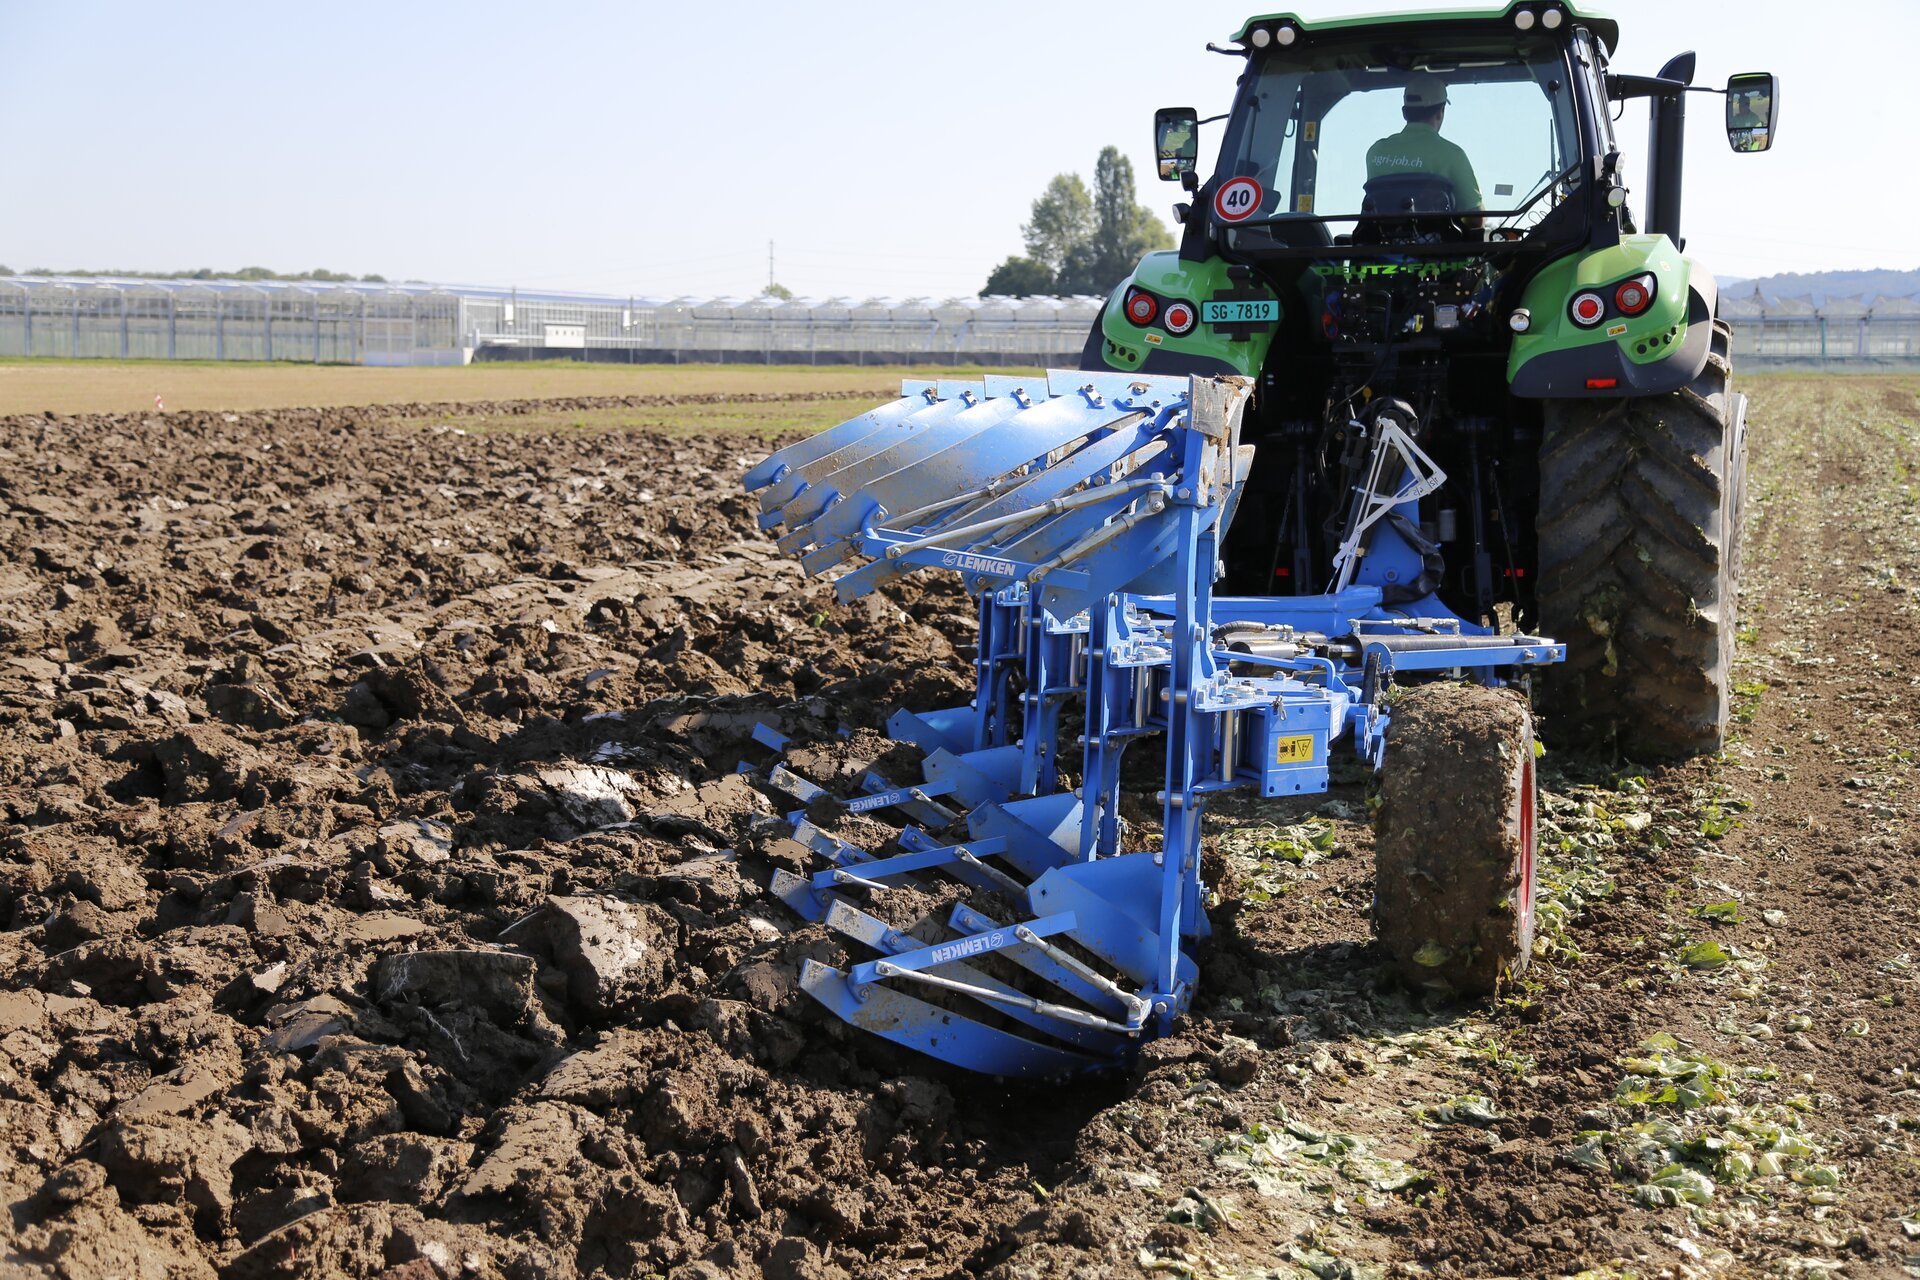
(1308, 117)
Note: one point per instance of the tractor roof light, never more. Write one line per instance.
(1587, 309)
(1523, 19)
(1261, 37)
(1552, 19)
(1286, 34)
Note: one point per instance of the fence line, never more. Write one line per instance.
(380, 324)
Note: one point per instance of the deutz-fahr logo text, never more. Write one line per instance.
(978, 564)
(1350, 270)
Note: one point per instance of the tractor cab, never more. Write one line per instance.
(1386, 186)
(1472, 140)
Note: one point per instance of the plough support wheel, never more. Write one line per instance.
(1456, 837)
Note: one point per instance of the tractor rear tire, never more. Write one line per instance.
(1641, 501)
(1455, 838)
(1093, 354)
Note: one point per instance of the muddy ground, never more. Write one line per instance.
(378, 897)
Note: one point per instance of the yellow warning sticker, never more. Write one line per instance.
(1303, 204)
(1615, 330)
(1296, 749)
(1309, 130)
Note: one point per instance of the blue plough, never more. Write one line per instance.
(1085, 512)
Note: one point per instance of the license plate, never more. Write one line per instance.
(1249, 311)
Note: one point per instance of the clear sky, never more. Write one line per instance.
(885, 148)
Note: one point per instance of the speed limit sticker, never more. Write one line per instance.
(1237, 200)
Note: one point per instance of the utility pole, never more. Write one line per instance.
(769, 266)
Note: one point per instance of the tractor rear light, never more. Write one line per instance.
(1602, 384)
(1588, 309)
(1635, 295)
(1142, 307)
(1179, 318)
(1521, 320)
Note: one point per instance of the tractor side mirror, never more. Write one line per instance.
(1176, 142)
(1753, 105)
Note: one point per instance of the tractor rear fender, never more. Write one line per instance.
(1661, 349)
(1118, 342)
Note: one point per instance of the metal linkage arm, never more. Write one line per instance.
(1071, 502)
(1424, 476)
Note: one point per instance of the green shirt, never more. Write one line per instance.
(1419, 148)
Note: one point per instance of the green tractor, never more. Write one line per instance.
(1426, 217)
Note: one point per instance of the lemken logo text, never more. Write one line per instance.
(967, 947)
(978, 564)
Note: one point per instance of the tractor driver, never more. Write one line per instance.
(1419, 148)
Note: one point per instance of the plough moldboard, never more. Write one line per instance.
(1084, 512)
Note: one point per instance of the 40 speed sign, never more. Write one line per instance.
(1237, 200)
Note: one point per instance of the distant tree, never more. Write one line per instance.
(1123, 230)
(1019, 277)
(779, 291)
(1080, 241)
(371, 278)
(1060, 219)
(204, 273)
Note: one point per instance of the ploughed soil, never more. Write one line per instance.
(380, 895)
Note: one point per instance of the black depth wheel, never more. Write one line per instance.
(1456, 836)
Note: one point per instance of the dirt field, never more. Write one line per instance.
(378, 898)
(129, 386)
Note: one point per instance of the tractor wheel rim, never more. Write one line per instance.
(1529, 839)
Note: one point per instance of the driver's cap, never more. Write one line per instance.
(1424, 89)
